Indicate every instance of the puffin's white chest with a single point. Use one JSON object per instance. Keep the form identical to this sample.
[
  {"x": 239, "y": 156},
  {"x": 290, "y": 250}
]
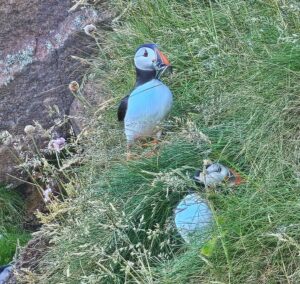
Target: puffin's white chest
[{"x": 147, "y": 106}]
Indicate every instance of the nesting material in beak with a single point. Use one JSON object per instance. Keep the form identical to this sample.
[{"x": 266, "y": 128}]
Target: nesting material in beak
[{"x": 162, "y": 64}]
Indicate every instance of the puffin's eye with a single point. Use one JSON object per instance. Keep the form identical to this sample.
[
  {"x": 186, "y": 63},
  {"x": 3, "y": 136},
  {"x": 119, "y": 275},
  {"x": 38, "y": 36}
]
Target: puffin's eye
[{"x": 146, "y": 53}]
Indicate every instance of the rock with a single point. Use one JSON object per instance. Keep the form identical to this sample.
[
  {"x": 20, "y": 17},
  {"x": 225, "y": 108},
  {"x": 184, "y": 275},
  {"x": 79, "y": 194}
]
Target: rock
[
  {"x": 28, "y": 260},
  {"x": 38, "y": 39},
  {"x": 33, "y": 202},
  {"x": 17, "y": 149},
  {"x": 81, "y": 109},
  {"x": 8, "y": 161}
]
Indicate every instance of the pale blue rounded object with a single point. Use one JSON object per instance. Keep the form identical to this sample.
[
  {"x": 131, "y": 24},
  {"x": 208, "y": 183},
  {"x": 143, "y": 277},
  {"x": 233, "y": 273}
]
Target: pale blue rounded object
[{"x": 193, "y": 219}]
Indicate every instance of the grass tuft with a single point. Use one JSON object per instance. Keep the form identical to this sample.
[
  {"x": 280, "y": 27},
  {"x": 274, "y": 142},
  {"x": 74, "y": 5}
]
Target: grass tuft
[{"x": 11, "y": 218}]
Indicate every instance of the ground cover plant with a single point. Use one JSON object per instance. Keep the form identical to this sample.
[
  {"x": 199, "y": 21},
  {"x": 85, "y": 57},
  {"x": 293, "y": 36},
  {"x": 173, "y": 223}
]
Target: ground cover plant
[
  {"x": 11, "y": 232},
  {"x": 236, "y": 100}
]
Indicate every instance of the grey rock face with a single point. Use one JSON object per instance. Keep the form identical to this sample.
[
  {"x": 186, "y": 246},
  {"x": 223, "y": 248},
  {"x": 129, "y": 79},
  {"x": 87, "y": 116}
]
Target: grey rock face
[
  {"x": 7, "y": 162},
  {"x": 80, "y": 113},
  {"x": 38, "y": 39}
]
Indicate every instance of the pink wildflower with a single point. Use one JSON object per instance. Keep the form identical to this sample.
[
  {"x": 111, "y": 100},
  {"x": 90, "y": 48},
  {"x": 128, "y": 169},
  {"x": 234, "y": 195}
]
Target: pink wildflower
[{"x": 57, "y": 144}]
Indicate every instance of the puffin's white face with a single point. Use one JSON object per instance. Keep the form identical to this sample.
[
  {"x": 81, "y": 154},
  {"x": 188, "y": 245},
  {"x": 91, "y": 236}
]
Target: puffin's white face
[{"x": 144, "y": 58}]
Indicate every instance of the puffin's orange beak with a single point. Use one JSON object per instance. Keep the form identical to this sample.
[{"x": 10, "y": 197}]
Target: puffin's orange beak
[
  {"x": 162, "y": 63},
  {"x": 163, "y": 58}
]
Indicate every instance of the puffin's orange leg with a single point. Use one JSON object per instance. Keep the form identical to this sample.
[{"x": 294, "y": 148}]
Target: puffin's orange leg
[{"x": 154, "y": 142}]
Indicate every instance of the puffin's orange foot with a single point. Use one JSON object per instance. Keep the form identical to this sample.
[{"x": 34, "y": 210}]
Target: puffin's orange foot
[{"x": 153, "y": 142}]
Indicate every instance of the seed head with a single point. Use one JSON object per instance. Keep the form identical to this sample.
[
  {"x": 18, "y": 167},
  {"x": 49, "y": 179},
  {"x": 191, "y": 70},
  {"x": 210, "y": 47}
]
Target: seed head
[
  {"x": 74, "y": 86},
  {"x": 29, "y": 129}
]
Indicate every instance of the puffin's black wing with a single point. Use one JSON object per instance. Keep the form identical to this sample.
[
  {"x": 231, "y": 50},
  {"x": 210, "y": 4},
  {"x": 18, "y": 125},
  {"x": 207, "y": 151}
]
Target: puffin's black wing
[
  {"x": 2, "y": 268},
  {"x": 122, "y": 108}
]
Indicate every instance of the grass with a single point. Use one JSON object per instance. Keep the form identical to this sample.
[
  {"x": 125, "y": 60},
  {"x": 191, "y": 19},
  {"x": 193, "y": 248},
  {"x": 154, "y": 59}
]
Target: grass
[
  {"x": 236, "y": 99},
  {"x": 11, "y": 232}
]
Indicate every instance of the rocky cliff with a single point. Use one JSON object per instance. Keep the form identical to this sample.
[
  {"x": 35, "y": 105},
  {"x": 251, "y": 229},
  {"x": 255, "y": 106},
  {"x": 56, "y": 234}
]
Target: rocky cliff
[{"x": 38, "y": 40}]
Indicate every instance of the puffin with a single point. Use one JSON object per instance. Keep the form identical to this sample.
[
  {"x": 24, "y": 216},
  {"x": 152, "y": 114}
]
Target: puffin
[
  {"x": 5, "y": 272},
  {"x": 215, "y": 174},
  {"x": 150, "y": 101}
]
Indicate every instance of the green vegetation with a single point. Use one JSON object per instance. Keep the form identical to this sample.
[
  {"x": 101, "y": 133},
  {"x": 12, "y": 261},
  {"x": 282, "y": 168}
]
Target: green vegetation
[
  {"x": 236, "y": 99},
  {"x": 11, "y": 217}
]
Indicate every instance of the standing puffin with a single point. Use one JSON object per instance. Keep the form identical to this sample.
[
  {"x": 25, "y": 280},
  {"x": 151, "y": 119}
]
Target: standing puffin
[{"x": 150, "y": 101}]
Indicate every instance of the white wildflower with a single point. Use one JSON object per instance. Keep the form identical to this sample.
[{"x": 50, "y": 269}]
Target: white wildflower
[{"x": 47, "y": 193}]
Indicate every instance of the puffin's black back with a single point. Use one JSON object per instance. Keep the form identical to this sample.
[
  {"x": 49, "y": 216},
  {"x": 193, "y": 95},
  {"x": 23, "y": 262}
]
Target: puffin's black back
[{"x": 122, "y": 108}]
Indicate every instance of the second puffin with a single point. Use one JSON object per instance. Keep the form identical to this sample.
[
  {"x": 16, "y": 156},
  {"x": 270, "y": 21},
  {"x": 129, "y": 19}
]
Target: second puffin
[{"x": 150, "y": 101}]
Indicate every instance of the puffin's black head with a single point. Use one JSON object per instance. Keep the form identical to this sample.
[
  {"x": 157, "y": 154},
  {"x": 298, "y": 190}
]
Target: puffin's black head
[{"x": 149, "y": 58}]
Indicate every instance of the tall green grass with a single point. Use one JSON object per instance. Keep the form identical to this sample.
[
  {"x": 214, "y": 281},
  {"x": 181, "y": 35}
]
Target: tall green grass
[
  {"x": 236, "y": 99},
  {"x": 11, "y": 218}
]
